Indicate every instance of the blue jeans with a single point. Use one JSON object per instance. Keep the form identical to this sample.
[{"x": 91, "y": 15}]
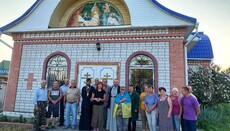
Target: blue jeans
[
  {"x": 152, "y": 122},
  {"x": 189, "y": 125},
  {"x": 122, "y": 123},
  {"x": 73, "y": 108},
  {"x": 176, "y": 122}
]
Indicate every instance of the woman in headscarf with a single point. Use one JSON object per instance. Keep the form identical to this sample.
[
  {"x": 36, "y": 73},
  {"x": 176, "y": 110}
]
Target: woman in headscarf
[{"x": 122, "y": 109}]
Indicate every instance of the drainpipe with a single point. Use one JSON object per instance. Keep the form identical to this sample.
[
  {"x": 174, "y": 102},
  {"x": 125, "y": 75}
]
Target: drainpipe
[
  {"x": 5, "y": 42},
  {"x": 185, "y": 52}
]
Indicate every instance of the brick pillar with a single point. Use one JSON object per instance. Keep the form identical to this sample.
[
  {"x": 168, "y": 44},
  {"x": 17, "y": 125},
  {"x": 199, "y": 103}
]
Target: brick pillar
[
  {"x": 13, "y": 78},
  {"x": 177, "y": 64}
]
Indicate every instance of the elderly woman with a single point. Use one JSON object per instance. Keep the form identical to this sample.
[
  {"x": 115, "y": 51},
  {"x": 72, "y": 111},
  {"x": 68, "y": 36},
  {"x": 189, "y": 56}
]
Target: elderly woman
[
  {"x": 176, "y": 109},
  {"x": 165, "y": 111},
  {"x": 122, "y": 109},
  {"x": 142, "y": 109},
  {"x": 151, "y": 100}
]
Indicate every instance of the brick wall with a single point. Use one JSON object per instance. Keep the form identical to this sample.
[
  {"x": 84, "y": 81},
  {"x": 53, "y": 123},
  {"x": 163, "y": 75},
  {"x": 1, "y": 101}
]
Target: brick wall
[
  {"x": 33, "y": 57},
  {"x": 177, "y": 64}
]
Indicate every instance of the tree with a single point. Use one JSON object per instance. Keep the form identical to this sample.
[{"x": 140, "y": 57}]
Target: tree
[{"x": 210, "y": 85}]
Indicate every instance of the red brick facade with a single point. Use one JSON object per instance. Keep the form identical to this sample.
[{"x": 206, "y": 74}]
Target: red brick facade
[
  {"x": 203, "y": 63},
  {"x": 177, "y": 64},
  {"x": 13, "y": 77}
]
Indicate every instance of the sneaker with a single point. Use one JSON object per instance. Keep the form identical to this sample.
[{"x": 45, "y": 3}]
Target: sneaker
[
  {"x": 60, "y": 125},
  {"x": 45, "y": 129},
  {"x": 73, "y": 127},
  {"x": 65, "y": 127},
  {"x": 53, "y": 127}
]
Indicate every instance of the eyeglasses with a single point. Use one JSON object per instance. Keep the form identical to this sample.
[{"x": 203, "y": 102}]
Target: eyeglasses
[{"x": 122, "y": 89}]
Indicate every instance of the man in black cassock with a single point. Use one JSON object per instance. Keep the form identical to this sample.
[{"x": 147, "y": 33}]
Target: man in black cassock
[{"x": 86, "y": 106}]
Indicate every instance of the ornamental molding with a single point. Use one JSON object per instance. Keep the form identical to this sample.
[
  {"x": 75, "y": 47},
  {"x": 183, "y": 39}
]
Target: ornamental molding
[{"x": 113, "y": 35}]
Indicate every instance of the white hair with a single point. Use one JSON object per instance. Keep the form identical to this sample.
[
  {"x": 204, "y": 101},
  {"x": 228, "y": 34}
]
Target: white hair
[{"x": 174, "y": 89}]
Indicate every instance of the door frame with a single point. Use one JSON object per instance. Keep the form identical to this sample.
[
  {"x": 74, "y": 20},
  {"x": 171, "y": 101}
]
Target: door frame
[{"x": 78, "y": 64}]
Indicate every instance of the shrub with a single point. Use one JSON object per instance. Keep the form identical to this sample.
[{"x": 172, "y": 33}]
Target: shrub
[
  {"x": 3, "y": 118},
  {"x": 214, "y": 118},
  {"x": 210, "y": 85},
  {"x": 209, "y": 118}
]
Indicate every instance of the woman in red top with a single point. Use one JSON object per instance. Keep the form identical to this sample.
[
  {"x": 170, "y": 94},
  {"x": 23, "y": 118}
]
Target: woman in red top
[{"x": 176, "y": 110}]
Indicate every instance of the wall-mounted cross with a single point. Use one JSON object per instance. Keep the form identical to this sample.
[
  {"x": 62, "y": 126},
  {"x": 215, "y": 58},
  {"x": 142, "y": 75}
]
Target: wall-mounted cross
[
  {"x": 87, "y": 75},
  {"x": 30, "y": 80},
  {"x": 107, "y": 76}
]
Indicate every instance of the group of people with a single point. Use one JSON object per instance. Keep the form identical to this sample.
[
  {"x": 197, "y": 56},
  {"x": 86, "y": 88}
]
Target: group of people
[
  {"x": 48, "y": 102},
  {"x": 113, "y": 108}
]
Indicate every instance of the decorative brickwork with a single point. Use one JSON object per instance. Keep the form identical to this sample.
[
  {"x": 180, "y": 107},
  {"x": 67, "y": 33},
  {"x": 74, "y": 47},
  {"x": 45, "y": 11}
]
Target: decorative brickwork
[
  {"x": 12, "y": 84},
  {"x": 30, "y": 80},
  {"x": 177, "y": 64}
]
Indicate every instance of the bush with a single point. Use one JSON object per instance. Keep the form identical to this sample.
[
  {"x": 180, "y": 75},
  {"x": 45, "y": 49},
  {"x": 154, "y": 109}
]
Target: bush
[
  {"x": 3, "y": 118},
  {"x": 214, "y": 119},
  {"x": 210, "y": 85},
  {"x": 208, "y": 118}
]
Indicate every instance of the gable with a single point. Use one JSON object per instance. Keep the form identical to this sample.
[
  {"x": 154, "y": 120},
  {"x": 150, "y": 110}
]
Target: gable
[{"x": 56, "y": 14}]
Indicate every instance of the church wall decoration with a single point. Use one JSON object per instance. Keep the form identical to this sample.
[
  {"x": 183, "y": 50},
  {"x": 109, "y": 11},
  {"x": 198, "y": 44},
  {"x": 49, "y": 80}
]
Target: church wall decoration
[{"x": 99, "y": 13}]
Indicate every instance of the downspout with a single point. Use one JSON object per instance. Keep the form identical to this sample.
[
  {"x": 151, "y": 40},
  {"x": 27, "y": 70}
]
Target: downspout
[
  {"x": 185, "y": 52},
  {"x": 4, "y": 41}
]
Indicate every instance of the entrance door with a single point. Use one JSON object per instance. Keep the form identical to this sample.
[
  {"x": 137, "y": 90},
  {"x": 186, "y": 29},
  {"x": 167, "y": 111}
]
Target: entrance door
[
  {"x": 110, "y": 72},
  {"x": 141, "y": 72}
]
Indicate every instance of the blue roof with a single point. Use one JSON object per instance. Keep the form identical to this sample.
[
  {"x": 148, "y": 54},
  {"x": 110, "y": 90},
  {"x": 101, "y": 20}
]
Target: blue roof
[
  {"x": 184, "y": 17},
  {"x": 203, "y": 48},
  {"x": 21, "y": 17}
]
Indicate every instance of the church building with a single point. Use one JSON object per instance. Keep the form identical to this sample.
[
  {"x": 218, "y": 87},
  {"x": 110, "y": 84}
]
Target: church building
[{"x": 140, "y": 42}]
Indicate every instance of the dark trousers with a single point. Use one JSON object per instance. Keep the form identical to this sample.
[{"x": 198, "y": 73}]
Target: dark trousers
[
  {"x": 105, "y": 116},
  {"x": 131, "y": 125},
  {"x": 40, "y": 115},
  {"x": 189, "y": 125},
  {"x": 182, "y": 122},
  {"x": 62, "y": 110}
]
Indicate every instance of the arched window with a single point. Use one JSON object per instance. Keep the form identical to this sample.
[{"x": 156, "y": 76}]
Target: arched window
[
  {"x": 142, "y": 70},
  {"x": 57, "y": 68}
]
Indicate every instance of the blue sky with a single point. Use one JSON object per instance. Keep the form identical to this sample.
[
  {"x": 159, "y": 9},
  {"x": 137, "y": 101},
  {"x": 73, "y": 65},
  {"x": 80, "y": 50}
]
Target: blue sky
[{"x": 213, "y": 17}]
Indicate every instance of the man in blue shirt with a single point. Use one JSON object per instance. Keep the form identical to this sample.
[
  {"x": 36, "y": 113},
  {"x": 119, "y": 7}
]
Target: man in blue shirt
[
  {"x": 62, "y": 102},
  {"x": 40, "y": 103}
]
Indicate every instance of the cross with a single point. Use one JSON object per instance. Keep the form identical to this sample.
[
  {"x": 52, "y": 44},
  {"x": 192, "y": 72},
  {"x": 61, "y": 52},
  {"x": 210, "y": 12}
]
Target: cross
[
  {"x": 107, "y": 76},
  {"x": 87, "y": 75},
  {"x": 30, "y": 80}
]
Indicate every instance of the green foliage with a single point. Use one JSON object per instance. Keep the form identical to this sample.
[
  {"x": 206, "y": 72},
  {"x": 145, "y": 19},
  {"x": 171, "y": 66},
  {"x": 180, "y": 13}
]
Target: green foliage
[
  {"x": 210, "y": 85},
  {"x": 3, "y": 118},
  {"x": 209, "y": 118},
  {"x": 214, "y": 119}
]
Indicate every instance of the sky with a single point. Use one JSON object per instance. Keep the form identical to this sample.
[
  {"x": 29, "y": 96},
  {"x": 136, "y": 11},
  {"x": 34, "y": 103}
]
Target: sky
[{"x": 213, "y": 17}]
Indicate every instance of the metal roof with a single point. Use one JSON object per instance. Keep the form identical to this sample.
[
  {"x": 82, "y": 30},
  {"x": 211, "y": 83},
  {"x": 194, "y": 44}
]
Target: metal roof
[
  {"x": 21, "y": 17},
  {"x": 176, "y": 14},
  {"x": 203, "y": 49}
]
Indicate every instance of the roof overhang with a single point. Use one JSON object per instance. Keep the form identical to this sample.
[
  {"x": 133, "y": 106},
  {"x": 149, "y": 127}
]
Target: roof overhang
[{"x": 192, "y": 43}]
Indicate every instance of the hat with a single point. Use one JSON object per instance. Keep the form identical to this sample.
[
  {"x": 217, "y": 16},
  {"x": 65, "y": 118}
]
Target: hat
[{"x": 122, "y": 87}]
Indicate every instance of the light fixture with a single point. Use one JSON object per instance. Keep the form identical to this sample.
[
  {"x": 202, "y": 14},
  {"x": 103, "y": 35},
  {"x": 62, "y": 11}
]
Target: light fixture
[{"x": 98, "y": 46}]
